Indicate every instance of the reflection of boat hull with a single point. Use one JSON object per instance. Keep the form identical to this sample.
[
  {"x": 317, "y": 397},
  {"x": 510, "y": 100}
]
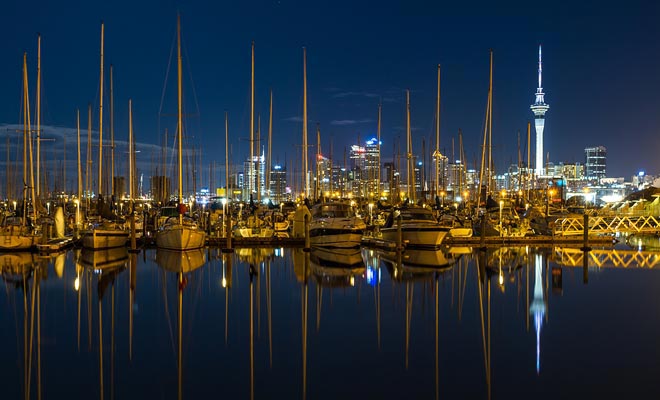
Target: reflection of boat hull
[
  {"x": 180, "y": 237},
  {"x": 335, "y": 238},
  {"x": 180, "y": 261},
  {"x": 16, "y": 263},
  {"x": 336, "y": 267},
  {"x": 254, "y": 255},
  {"x": 105, "y": 259},
  {"x": 105, "y": 238},
  {"x": 644, "y": 241},
  {"x": 343, "y": 258},
  {"x": 422, "y": 259},
  {"x": 417, "y": 236}
]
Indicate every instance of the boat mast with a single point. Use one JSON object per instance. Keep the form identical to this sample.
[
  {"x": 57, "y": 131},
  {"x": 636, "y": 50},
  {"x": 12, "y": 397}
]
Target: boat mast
[
  {"x": 437, "y": 138},
  {"x": 39, "y": 115},
  {"x": 490, "y": 124},
  {"x": 411, "y": 162},
  {"x": 79, "y": 165},
  {"x": 112, "y": 137},
  {"x": 253, "y": 182},
  {"x": 226, "y": 157},
  {"x": 100, "y": 183},
  {"x": 26, "y": 132},
  {"x": 304, "y": 132},
  {"x": 180, "y": 109},
  {"x": 379, "y": 161},
  {"x": 28, "y": 135},
  {"x": 462, "y": 167},
  {"x": 88, "y": 172},
  {"x": 528, "y": 183},
  {"x": 269, "y": 163},
  {"x": 317, "y": 190},
  {"x": 258, "y": 164},
  {"x": 130, "y": 151}
]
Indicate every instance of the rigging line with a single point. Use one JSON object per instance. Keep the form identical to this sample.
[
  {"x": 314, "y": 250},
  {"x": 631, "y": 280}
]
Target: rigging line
[{"x": 167, "y": 74}]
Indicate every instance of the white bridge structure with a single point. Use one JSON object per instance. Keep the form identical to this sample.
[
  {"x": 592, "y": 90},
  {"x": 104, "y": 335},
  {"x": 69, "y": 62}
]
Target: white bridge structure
[
  {"x": 611, "y": 258},
  {"x": 606, "y": 225}
]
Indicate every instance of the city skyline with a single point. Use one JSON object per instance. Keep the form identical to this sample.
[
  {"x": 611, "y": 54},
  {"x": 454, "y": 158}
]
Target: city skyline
[{"x": 348, "y": 78}]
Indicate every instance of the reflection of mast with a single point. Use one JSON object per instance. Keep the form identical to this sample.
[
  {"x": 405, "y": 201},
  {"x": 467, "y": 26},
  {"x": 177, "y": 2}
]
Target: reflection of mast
[
  {"x": 180, "y": 348},
  {"x": 437, "y": 366},
  {"x": 485, "y": 330},
  {"x": 101, "y": 346},
  {"x": 270, "y": 321},
  {"x": 538, "y": 306},
  {"x": 252, "y": 274},
  {"x": 304, "y": 326},
  {"x": 409, "y": 301},
  {"x": 226, "y": 283},
  {"x": 131, "y": 300}
]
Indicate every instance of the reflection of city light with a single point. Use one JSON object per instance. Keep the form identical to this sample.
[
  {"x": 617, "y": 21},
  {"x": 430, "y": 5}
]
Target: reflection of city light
[
  {"x": 371, "y": 277},
  {"x": 537, "y": 308},
  {"x": 224, "y": 282},
  {"x": 352, "y": 281},
  {"x": 76, "y": 284}
]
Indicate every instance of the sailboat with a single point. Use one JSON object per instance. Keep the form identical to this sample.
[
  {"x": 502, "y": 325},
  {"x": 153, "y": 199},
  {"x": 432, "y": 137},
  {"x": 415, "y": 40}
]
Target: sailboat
[
  {"x": 179, "y": 233},
  {"x": 15, "y": 233},
  {"x": 107, "y": 234}
]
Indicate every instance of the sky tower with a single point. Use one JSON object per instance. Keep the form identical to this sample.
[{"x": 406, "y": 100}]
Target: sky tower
[{"x": 539, "y": 108}]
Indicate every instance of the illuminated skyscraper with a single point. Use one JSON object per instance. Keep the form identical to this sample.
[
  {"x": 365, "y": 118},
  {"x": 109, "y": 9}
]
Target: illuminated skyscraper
[{"x": 539, "y": 109}]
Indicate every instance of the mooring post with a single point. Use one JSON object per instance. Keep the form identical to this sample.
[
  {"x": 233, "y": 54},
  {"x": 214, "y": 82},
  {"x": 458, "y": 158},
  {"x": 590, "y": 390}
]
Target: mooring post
[
  {"x": 483, "y": 232},
  {"x": 585, "y": 231},
  {"x": 307, "y": 240},
  {"x": 399, "y": 235},
  {"x": 228, "y": 248},
  {"x": 133, "y": 241}
]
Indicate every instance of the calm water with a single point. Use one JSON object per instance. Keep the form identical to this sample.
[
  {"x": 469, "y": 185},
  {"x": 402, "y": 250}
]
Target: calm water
[{"x": 277, "y": 323}]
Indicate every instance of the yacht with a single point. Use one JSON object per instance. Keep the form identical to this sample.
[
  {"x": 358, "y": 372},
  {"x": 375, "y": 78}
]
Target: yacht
[
  {"x": 335, "y": 225},
  {"x": 419, "y": 228}
]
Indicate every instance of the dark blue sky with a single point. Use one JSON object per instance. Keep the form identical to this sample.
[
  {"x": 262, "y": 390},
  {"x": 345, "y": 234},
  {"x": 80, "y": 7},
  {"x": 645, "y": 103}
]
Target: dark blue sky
[{"x": 601, "y": 64}]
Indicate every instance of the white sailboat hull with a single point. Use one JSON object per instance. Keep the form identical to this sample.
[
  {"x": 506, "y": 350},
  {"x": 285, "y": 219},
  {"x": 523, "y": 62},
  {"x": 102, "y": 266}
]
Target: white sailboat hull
[
  {"x": 417, "y": 236},
  {"x": 15, "y": 240},
  {"x": 105, "y": 239},
  {"x": 180, "y": 237},
  {"x": 340, "y": 240}
]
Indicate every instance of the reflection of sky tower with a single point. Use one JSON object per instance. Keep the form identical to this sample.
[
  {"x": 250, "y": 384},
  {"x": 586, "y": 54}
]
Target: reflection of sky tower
[
  {"x": 537, "y": 308},
  {"x": 539, "y": 108}
]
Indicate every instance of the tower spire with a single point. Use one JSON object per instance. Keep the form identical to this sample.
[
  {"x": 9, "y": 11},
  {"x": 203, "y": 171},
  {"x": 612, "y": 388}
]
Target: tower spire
[
  {"x": 539, "y": 108},
  {"x": 540, "y": 71}
]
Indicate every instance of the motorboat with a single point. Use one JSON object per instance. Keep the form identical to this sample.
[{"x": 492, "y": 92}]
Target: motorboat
[
  {"x": 335, "y": 225},
  {"x": 419, "y": 228}
]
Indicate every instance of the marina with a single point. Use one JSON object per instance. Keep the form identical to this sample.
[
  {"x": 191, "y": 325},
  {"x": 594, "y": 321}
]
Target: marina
[
  {"x": 320, "y": 201},
  {"x": 264, "y": 322}
]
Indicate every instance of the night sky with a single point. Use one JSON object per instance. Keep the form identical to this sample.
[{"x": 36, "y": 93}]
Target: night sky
[{"x": 601, "y": 74}]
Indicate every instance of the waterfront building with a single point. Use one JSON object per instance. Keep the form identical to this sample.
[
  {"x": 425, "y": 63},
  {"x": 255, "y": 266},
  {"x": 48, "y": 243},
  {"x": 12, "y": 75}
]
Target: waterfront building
[
  {"x": 595, "y": 163},
  {"x": 254, "y": 171},
  {"x": 371, "y": 165},
  {"x": 539, "y": 108},
  {"x": 278, "y": 184},
  {"x": 357, "y": 179}
]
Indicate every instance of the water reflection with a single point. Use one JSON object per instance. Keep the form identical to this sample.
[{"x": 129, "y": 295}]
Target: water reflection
[{"x": 454, "y": 323}]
